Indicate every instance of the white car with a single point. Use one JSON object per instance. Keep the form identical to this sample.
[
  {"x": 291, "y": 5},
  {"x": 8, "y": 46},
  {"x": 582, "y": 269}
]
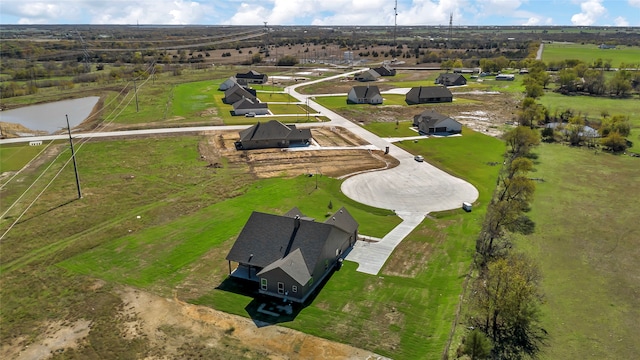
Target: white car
[{"x": 418, "y": 158}]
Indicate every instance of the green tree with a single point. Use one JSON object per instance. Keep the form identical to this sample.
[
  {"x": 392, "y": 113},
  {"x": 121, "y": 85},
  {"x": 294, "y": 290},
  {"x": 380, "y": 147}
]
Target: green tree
[
  {"x": 287, "y": 60},
  {"x": 506, "y": 303},
  {"x": 615, "y": 123},
  {"x": 614, "y": 142},
  {"x": 620, "y": 83},
  {"x": 567, "y": 79},
  {"x": 531, "y": 113},
  {"x": 477, "y": 345},
  {"x": 521, "y": 139}
]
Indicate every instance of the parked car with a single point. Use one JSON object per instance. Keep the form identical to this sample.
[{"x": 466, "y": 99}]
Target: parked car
[
  {"x": 418, "y": 158},
  {"x": 251, "y": 114}
]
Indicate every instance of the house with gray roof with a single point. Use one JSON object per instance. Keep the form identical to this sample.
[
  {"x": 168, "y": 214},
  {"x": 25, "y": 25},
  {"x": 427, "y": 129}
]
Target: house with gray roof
[
  {"x": 450, "y": 79},
  {"x": 237, "y": 93},
  {"x": 245, "y": 106},
  {"x": 368, "y": 75},
  {"x": 227, "y": 84},
  {"x": 385, "y": 70},
  {"x": 364, "y": 95},
  {"x": 251, "y": 77},
  {"x": 288, "y": 256},
  {"x": 431, "y": 122},
  {"x": 428, "y": 94},
  {"x": 272, "y": 134}
]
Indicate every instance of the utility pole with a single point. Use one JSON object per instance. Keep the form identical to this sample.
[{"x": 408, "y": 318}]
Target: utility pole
[
  {"x": 395, "y": 22},
  {"x": 135, "y": 90},
  {"x": 73, "y": 156}
]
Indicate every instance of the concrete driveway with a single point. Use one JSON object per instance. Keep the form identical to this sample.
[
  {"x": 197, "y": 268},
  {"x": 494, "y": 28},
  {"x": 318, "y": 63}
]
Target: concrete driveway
[{"x": 412, "y": 189}]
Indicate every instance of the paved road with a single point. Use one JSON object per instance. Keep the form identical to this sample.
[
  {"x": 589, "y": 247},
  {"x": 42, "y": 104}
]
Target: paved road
[{"x": 412, "y": 189}]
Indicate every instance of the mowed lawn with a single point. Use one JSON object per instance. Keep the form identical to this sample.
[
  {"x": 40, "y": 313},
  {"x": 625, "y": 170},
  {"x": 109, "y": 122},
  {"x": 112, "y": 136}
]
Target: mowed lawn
[
  {"x": 587, "y": 244},
  {"x": 590, "y": 53},
  {"x": 14, "y": 156},
  {"x": 406, "y": 312}
]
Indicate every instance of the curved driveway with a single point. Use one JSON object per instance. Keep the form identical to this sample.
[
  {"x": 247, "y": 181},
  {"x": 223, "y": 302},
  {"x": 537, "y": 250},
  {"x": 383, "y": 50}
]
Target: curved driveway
[{"x": 412, "y": 189}]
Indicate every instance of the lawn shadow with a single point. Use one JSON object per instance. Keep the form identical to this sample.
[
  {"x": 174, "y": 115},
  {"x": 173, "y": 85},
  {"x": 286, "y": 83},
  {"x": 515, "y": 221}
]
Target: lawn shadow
[
  {"x": 266, "y": 310},
  {"x": 63, "y": 204}
]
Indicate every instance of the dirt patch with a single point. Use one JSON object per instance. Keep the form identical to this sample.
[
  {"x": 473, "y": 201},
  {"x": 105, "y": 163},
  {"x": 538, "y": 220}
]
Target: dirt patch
[
  {"x": 58, "y": 337},
  {"x": 266, "y": 163},
  {"x": 411, "y": 257},
  {"x": 170, "y": 323}
]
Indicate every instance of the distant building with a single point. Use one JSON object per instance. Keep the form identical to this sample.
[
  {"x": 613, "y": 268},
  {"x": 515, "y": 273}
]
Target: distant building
[
  {"x": 605, "y": 46},
  {"x": 505, "y": 77},
  {"x": 428, "y": 94},
  {"x": 431, "y": 122},
  {"x": 368, "y": 75},
  {"x": 385, "y": 70},
  {"x": 449, "y": 79},
  {"x": 272, "y": 134},
  {"x": 364, "y": 95},
  {"x": 251, "y": 77}
]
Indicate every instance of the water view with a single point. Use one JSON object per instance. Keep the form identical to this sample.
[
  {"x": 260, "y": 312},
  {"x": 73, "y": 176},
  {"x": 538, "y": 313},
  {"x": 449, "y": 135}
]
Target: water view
[{"x": 51, "y": 117}]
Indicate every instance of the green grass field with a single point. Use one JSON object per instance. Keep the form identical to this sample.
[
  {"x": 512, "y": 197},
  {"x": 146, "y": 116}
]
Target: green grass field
[
  {"x": 592, "y": 108},
  {"x": 590, "y": 53},
  {"x": 189, "y": 216},
  {"x": 586, "y": 243},
  {"x": 15, "y": 156}
]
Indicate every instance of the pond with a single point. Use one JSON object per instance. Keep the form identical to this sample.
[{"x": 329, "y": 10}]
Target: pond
[{"x": 50, "y": 117}]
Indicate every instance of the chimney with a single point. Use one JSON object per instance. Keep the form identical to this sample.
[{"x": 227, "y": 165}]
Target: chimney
[{"x": 297, "y": 222}]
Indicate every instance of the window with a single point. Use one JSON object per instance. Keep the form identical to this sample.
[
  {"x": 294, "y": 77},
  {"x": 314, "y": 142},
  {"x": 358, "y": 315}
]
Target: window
[
  {"x": 263, "y": 283},
  {"x": 294, "y": 288},
  {"x": 280, "y": 288}
]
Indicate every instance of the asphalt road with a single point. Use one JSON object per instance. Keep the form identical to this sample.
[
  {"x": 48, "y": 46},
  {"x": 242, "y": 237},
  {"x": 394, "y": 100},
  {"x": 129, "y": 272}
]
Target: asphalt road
[{"x": 412, "y": 189}]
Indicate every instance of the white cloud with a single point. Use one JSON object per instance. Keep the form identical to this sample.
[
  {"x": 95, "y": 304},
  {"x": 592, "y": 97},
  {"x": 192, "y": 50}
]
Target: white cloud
[
  {"x": 635, "y": 3},
  {"x": 620, "y": 21},
  {"x": 590, "y": 12}
]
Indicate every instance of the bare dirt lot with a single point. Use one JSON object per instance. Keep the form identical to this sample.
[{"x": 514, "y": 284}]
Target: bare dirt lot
[
  {"x": 175, "y": 329},
  {"x": 265, "y": 163}
]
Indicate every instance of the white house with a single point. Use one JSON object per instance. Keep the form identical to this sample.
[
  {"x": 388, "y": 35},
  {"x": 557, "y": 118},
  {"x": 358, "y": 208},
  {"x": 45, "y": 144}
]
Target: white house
[{"x": 364, "y": 95}]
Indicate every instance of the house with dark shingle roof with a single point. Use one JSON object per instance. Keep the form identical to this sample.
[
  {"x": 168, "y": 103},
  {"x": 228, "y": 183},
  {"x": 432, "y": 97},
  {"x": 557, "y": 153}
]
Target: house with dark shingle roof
[
  {"x": 245, "y": 106},
  {"x": 450, "y": 79},
  {"x": 237, "y": 93},
  {"x": 251, "y": 77},
  {"x": 364, "y": 95},
  {"x": 368, "y": 75},
  {"x": 385, "y": 70},
  {"x": 272, "y": 134},
  {"x": 428, "y": 94},
  {"x": 288, "y": 256},
  {"x": 431, "y": 122}
]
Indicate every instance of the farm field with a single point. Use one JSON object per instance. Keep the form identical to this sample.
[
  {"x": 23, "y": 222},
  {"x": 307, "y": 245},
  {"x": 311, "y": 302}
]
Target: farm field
[
  {"x": 590, "y": 53},
  {"x": 586, "y": 243}
]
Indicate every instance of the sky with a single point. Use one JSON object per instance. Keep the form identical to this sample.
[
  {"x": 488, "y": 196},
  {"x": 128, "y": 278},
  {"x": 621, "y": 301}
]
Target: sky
[{"x": 323, "y": 12}]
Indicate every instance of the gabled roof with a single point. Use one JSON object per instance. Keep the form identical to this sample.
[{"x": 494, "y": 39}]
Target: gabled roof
[
  {"x": 450, "y": 78},
  {"x": 366, "y": 92},
  {"x": 246, "y": 103},
  {"x": 292, "y": 265},
  {"x": 431, "y": 118},
  {"x": 424, "y": 92},
  {"x": 385, "y": 70},
  {"x": 237, "y": 89},
  {"x": 269, "y": 241},
  {"x": 343, "y": 220},
  {"x": 227, "y": 84},
  {"x": 274, "y": 129},
  {"x": 368, "y": 74},
  {"x": 251, "y": 74}
]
